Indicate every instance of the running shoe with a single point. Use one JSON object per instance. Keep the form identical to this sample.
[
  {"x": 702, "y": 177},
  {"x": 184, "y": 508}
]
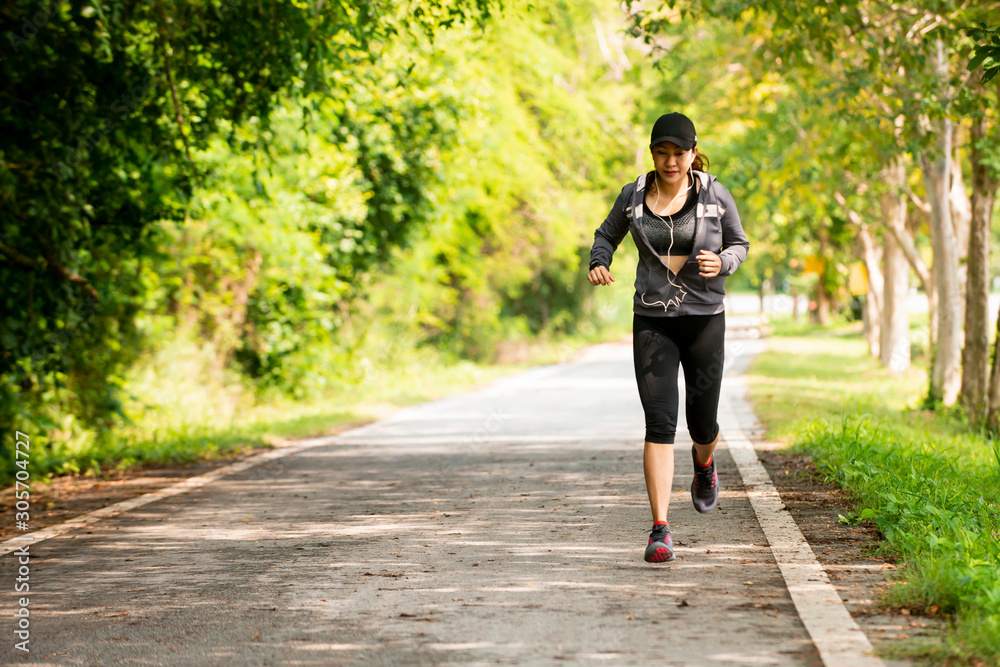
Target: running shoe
[
  {"x": 705, "y": 485},
  {"x": 661, "y": 546}
]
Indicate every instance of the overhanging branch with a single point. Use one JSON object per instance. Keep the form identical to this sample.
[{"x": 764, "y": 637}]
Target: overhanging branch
[
  {"x": 16, "y": 257},
  {"x": 50, "y": 264}
]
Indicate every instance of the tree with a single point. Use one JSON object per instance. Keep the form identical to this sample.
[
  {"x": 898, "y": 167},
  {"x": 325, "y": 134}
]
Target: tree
[
  {"x": 908, "y": 54},
  {"x": 103, "y": 105}
]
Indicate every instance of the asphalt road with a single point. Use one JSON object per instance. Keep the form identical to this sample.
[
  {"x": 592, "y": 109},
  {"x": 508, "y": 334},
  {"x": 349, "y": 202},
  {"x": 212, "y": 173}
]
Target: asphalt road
[{"x": 504, "y": 526}]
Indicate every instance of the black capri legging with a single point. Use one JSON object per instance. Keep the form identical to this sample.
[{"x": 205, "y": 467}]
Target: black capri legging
[{"x": 697, "y": 342}]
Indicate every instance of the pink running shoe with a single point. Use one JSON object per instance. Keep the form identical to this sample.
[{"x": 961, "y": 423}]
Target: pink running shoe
[{"x": 661, "y": 546}]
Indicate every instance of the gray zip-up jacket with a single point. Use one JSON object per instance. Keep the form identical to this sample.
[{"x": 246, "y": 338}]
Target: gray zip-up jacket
[{"x": 658, "y": 292}]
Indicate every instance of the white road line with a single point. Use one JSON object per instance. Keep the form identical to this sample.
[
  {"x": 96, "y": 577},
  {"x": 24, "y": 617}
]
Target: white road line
[
  {"x": 840, "y": 641},
  {"x": 21, "y": 541}
]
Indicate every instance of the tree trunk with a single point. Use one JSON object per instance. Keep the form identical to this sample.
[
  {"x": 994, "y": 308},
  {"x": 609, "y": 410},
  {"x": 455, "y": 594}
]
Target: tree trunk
[
  {"x": 822, "y": 296},
  {"x": 822, "y": 303},
  {"x": 901, "y": 234},
  {"x": 229, "y": 322},
  {"x": 913, "y": 223},
  {"x": 993, "y": 416},
  {"x": 872, "y": 256},
  {"x": 895, "y": 344},
  {"x": 904, "y": 235},
  {"x": 961, "y": 219},
  {"x": 873, "y": 300},
  {"x": 976, "y": 381},
  {"x": 961, "y": 207},
  {"x": 945, "y": 372},
  {"x": 945, "y": 380},
  {"x": 993, "y": 412}
]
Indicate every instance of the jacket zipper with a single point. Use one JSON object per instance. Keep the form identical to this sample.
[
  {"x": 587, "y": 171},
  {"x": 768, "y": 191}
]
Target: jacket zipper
[{"x": 642, "y": 232}]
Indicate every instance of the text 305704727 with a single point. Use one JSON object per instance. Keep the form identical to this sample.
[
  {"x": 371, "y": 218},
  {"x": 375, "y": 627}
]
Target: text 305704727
[{"x": 22, "y": 505}]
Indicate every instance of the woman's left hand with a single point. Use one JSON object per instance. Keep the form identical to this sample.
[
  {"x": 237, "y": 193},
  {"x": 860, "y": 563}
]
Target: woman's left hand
[{"x": 709, "y": 264}]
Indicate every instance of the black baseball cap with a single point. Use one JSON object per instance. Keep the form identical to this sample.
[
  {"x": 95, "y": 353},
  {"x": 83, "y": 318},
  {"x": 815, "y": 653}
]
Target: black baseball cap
[{"x": 675, "y": 128}]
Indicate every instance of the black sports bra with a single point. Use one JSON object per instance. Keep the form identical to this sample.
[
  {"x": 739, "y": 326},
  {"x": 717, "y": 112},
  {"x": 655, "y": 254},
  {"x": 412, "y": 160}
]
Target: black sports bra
[{"x": 676, "y": 241}]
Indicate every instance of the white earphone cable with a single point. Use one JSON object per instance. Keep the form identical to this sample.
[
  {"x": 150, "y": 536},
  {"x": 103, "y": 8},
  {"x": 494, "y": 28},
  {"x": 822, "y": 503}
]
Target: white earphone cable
[
  {"x": 683, "y": 292},
  {"x": 670, "y": 225}
]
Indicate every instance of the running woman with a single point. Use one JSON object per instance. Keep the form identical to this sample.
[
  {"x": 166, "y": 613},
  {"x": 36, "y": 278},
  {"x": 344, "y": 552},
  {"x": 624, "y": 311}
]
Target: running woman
[{"x": 689, "y": 236}]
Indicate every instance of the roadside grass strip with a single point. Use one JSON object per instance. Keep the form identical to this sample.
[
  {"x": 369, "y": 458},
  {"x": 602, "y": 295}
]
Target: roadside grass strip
[
  {"x": 922, "y": 478},
  {"x": 936, "y": 501},
  {"x": 839, "y": 640}
]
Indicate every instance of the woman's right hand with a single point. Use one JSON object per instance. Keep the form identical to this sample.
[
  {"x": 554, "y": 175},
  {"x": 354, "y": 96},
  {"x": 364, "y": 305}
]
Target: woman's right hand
[{"x": 600, "y": 275}]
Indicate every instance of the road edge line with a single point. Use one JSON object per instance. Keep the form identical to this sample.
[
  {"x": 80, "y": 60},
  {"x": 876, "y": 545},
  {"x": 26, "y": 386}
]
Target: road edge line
[
  {"x": 19, "y": 542},
  {"x": 840, "y": 640}
]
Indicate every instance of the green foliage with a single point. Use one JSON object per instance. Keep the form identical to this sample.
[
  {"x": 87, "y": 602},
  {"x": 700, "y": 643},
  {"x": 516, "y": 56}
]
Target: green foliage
[
  {"x": 778, "y": 138},
  {"x": 927, "y": 483},
  {"x": 105, "y": 107},
  {"x": 267, "y": 227},
  {"x": 537, "y": 162},
  {"x": 272, "y": 259},
  {"x": 986, "y": 52},
  {"x": 839, "y": 90},
  {"x": 938, "y": 508}
]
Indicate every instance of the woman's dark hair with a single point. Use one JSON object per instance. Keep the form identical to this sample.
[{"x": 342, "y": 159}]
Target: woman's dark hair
[{"x": 700, "y": 162}]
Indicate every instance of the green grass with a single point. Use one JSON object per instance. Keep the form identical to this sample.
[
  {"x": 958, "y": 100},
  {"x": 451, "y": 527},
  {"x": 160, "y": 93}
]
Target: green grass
[{"x": 930, "y": 486}]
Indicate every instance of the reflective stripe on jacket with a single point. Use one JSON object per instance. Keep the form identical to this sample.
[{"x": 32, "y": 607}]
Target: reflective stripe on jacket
[{"x": 658, "y": 292}]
